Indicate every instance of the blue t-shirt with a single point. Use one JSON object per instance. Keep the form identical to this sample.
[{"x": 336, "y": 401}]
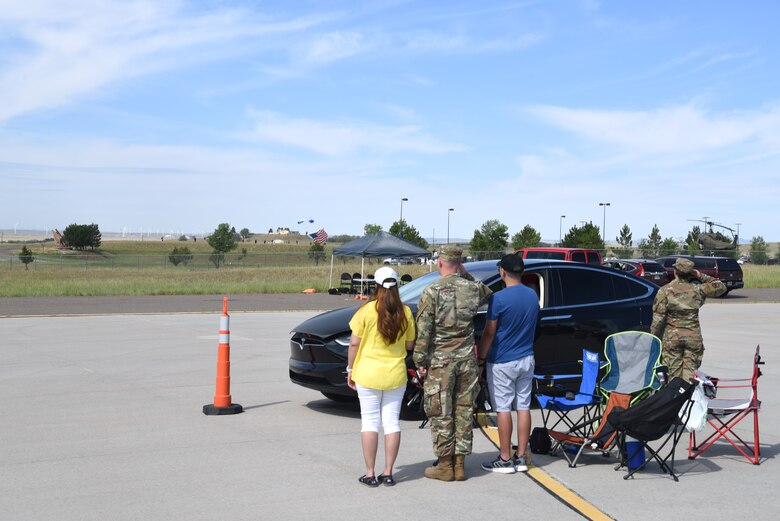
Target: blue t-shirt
[{"x": 516, "y": 308}]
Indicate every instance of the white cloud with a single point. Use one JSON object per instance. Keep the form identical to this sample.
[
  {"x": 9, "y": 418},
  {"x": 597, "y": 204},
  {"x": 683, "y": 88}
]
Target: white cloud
[
  {"x": 665, "y": 165},
  {"x": 676, "y": 130},
  {"x": 74, "y": 50},
  {"x": 340, "y": 139},
  {"x": 334, "y": 46}
]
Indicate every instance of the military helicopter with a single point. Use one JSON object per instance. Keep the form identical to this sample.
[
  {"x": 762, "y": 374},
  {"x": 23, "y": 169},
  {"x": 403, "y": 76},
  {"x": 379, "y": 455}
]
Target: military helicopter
[{"x": 715, "y": 240}]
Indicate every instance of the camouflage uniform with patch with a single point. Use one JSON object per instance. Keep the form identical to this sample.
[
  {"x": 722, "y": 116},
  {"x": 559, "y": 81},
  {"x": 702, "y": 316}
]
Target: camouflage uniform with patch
[
  {"x": 445, "y": 345},
  {"x": 676, "y": 317}
]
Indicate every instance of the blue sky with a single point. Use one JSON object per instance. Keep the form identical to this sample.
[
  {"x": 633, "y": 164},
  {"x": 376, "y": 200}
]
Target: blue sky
[{"x": 177, "y": 116}]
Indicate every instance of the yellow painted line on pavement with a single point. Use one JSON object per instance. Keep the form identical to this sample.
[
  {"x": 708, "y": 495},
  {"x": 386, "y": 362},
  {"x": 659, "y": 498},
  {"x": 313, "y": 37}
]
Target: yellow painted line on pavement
[{"x": 542, "y": 478}]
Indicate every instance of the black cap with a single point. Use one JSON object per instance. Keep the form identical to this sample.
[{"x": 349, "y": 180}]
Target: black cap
[{"x": 512, "y": 263}]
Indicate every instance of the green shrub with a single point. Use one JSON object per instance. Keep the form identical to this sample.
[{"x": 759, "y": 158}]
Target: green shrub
[
  {"x": 26, "y": 256},
  {"x": 180, "y": 256}
]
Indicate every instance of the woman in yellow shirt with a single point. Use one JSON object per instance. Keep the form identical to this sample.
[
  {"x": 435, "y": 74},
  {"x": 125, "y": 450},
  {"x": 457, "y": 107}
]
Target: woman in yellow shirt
[{"x": 383, "y": 331}]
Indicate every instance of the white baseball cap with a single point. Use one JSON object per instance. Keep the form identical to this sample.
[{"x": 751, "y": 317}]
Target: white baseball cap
[{"x": 386, "y": 277}]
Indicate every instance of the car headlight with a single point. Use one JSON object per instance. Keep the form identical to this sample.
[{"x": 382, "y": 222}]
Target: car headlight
[{"x": 343, "y": 340}]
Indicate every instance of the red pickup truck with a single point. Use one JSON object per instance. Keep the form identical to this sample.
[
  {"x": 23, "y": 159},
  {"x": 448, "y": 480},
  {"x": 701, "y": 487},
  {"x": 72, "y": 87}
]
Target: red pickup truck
[{"x": 583, "y": 255}]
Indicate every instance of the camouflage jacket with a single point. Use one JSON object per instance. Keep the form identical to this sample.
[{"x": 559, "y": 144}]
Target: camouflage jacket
[
  {"x": 677, "y": 303},
  {"x": 445, "y": 319}
]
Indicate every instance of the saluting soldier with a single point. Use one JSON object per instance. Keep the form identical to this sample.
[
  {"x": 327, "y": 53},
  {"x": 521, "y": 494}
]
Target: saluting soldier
[
  {"x": 444, "y": 351},
  {"x": 676, "y": 317}
]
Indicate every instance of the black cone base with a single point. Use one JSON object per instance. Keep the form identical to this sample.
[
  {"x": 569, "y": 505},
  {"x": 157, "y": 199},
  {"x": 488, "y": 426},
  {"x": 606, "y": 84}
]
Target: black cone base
[{"x": 211, "y": 410}]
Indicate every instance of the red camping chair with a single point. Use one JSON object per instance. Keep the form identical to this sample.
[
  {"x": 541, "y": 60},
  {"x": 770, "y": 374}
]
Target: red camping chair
[{"x": 725, "y": 412}]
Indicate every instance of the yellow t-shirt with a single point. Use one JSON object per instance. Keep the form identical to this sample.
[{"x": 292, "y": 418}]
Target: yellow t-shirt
[{"x": 377, "y": 364}]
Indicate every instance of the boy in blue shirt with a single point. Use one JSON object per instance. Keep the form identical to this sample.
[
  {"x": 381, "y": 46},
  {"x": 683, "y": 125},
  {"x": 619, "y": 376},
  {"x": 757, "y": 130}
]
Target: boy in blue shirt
[{"x": 507, "y": 345}]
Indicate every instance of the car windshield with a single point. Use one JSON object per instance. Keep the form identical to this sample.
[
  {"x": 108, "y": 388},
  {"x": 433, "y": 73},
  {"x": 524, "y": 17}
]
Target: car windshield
[
  {"x": 728, "y": 264},
  {"x": 653, "y": 267},
  {"x": 411, "y": 291},
  {"x": 557, "y": 255}
]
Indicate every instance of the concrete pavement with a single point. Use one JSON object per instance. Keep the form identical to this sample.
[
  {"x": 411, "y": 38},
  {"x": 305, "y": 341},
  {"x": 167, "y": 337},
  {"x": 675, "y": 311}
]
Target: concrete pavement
[
  {"x": 102, "y": 420},
  {"x": 67, "y": 306}
]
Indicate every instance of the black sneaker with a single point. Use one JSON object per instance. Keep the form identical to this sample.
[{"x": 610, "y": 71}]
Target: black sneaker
[{"x": 499, "y": 465}]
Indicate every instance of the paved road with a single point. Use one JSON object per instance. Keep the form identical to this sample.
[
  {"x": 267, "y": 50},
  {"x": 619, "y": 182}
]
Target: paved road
[
  {"x": 68, "y": 306},
  {"x": 102, "y": 420}
]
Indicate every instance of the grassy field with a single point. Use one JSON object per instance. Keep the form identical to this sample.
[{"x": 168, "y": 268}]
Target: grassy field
[
  {"x": 235, "y": 280},
  {"x": 142, "y": 268}
]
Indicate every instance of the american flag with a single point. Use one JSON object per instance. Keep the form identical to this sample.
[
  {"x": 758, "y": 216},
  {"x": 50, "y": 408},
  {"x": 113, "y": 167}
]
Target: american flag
[{"x": 320, "y": 236}]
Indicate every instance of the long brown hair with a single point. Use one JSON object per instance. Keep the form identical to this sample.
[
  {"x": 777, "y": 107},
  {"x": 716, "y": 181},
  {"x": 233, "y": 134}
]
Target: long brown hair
[{"x": 391, "y": 319}]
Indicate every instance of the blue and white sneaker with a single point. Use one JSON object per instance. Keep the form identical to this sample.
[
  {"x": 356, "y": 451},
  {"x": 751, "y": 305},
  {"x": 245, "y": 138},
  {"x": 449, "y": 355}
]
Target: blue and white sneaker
[
  {"x": 499, "y": 465},
  {"x": 521, "y": 465}
]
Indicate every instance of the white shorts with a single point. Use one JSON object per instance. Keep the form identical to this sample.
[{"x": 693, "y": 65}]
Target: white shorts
[
  {"x": 510, "y": 384},
  {"x": 379, "y": 407}
]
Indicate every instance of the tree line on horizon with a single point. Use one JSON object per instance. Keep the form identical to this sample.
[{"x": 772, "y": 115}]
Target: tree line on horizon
[{"x": 491, "y": 240}]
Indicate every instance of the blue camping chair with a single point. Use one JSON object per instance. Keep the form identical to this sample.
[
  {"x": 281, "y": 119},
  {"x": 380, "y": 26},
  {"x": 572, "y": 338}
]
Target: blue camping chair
[
  {"x": 556, "y": 399},
  {"x": 633, "y": 365}
]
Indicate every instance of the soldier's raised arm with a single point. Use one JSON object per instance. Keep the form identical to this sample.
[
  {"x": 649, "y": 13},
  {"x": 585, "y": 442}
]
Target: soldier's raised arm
[{"x": 711, "y": 286}]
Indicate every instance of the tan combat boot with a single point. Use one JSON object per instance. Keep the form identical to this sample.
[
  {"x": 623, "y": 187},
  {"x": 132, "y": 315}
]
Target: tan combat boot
[
  {"x": 442, "y": 471},
  {"x": 459, "y": 469}
]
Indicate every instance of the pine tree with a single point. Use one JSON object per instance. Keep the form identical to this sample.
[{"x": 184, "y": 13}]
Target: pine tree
[
  {"x": 526, "y": 238},
  {"x": 625, "y": 242},
  {"x": 26, "y": 256}
]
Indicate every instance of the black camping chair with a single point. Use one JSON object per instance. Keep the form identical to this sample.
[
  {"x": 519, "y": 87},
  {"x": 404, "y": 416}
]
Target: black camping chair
[{"x": 660, "y": 416}]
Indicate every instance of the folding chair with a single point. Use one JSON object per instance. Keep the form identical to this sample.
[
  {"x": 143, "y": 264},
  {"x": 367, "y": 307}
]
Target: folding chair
[
  {"x": 557, "y": 399},
  {"x": 724, "y": 413},
  {"x": 345, "y": 284},
  {"x": 603, "y": 438},
  {"x": 633, "y": 364},
  {"x": 660, "y": 416}
]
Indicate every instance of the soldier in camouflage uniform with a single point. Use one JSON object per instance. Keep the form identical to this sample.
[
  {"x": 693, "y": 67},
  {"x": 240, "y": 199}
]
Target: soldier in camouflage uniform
[
  {"x": 444, "y": 350},
  {"x": 676, "y": 317}
]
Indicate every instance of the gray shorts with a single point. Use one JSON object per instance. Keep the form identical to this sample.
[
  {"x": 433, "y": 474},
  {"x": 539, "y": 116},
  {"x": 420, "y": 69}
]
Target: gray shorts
[{"x": 510, "y": 384}]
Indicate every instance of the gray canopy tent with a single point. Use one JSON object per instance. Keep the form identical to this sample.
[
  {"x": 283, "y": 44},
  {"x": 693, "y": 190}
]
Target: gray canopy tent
[{"x": 380, "y": 244}]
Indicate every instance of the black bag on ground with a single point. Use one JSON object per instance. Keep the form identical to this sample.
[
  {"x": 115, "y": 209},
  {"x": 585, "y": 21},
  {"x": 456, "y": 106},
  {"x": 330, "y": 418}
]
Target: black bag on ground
[{"x": 540, "y": 441}]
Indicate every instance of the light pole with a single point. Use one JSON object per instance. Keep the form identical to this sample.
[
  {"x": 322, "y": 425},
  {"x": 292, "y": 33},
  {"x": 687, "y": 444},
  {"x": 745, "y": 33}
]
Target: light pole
[
  {"x": 738, "y": 229},
  {"x": 604, "y": 225},
  {"x": 448, "y": 223},
  {"x": 401, "y": 220},
  {"x": 560, "y": 228}
]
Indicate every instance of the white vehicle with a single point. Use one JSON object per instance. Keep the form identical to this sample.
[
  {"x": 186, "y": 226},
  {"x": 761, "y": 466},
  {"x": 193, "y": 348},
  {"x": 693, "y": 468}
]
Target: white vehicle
[{"x": 395, "y": 261}]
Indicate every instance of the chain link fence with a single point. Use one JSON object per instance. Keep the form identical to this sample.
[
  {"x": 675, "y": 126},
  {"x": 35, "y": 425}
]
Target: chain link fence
[
  {"x": 195, "y": 261},
  {"x": 210, "y": 261}
]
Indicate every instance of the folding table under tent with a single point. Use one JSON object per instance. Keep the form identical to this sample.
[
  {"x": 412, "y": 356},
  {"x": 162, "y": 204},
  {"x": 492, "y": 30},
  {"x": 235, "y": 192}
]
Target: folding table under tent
[{"x": 376, "y": 245}]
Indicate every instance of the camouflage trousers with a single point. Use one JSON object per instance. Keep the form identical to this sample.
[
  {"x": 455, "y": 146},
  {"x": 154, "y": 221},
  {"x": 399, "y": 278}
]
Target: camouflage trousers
[
  {"x": 683, "y": 351},
  {"x": 450, "y": 389}
]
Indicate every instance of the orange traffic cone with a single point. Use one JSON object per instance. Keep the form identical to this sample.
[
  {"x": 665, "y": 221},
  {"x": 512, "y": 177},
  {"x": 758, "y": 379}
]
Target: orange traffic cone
[{"x": 222, "y": 399}]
